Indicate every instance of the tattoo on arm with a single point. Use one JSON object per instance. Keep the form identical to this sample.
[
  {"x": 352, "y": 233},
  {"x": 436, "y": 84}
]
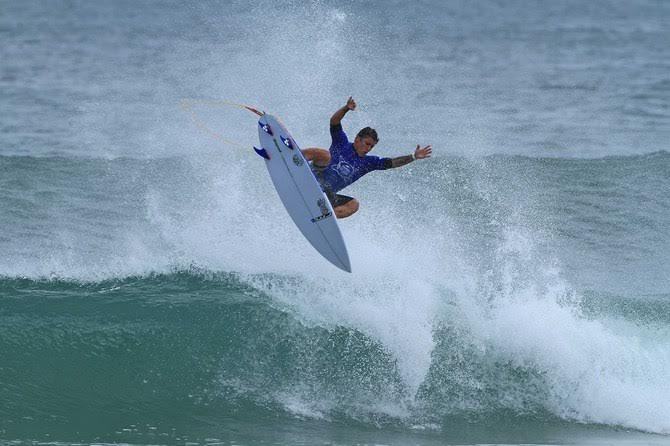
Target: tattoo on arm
[{"x": 401, "y": 160}]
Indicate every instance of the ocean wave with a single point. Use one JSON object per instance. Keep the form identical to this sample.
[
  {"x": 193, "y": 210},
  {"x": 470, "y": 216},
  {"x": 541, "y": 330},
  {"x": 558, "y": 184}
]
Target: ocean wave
[
  {"x": 480, "y": 291},
  {"x": 192, "y": 341}
]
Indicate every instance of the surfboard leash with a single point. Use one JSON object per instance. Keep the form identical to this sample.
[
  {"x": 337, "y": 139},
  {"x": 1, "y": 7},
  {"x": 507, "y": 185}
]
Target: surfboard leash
[{"x": 187, "y": 105}]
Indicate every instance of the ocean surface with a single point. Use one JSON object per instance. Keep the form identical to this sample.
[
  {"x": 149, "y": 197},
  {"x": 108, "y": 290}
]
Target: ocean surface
[{"x": 513, "y": 289}]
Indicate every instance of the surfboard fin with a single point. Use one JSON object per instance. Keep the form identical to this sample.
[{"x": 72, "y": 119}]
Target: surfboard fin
[{"x": 262, "y": 152}]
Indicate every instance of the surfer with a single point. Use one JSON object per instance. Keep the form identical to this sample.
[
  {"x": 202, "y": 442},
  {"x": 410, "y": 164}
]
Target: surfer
[{"x": 346, "y": 162}]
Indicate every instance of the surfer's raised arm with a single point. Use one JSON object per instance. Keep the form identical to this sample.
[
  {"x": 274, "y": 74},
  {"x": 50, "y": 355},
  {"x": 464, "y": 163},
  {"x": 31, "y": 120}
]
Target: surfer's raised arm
[
  {"x": 339, "y": 114},
  {"x": 345, "y": 161},
  {"x": 419, "y": 153}
]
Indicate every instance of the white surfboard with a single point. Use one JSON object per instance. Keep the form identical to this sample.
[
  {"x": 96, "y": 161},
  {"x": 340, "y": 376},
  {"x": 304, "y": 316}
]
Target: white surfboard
[{"x": 300, "y": 192}]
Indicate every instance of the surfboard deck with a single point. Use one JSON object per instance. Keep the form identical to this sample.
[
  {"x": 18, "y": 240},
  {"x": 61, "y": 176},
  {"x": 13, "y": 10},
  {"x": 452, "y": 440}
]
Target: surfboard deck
[{"x": 300, "y": 192}]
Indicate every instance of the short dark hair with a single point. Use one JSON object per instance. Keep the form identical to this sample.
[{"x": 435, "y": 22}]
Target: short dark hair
[{"x": 368, "y": 132}]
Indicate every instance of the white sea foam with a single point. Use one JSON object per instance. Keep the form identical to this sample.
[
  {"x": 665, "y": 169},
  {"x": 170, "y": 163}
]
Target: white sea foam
[{"x": 595, "y": 370}]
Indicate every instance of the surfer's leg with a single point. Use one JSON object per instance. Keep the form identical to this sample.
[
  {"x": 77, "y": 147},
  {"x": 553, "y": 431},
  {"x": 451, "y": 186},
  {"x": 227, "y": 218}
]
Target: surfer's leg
[
  {"x": 318, "y": 157},
  {"x": 346, "y": 210},
  {"x": 344, "y": 206}
]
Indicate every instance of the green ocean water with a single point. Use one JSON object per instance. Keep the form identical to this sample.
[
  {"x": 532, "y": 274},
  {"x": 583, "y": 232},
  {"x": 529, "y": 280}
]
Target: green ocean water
[
  {"x": 198, "y": 357},
  {"x": 520, "y": 341}
]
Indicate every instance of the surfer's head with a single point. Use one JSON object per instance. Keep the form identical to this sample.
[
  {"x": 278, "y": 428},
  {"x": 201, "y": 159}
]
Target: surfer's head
[{"x": 365, "y": 141}]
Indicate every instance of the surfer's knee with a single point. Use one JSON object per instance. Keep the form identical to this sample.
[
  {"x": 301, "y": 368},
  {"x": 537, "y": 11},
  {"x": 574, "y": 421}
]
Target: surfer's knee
[
  {"x": 347, "y": 209},
  {"x": 319, "y": 157}
]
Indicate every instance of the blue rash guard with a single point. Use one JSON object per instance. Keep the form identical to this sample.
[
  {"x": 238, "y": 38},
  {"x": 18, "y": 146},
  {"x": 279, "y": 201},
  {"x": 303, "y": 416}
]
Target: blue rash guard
[{"x": 345, "y": 165}]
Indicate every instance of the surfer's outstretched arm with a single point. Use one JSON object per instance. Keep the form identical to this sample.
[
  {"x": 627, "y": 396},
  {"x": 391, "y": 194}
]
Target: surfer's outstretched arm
[
  {"x": 419, "y": 153},
  {"x": 339, "y": 114}
]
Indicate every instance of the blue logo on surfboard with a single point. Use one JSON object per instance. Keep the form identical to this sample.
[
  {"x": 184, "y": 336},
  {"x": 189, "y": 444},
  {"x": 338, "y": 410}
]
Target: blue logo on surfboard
[
  {"x": 266, "y": 128},
  {"x": 287, "y": 142}
]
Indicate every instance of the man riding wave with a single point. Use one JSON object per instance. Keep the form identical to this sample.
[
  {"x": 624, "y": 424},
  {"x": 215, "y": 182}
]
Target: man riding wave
[{"x": 346, "y": 162}]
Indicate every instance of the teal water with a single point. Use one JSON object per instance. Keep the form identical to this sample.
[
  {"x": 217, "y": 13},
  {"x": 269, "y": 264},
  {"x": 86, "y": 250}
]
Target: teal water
[
  {"x": 192, "y": 356},
  {"x": 521, "y": 311}
]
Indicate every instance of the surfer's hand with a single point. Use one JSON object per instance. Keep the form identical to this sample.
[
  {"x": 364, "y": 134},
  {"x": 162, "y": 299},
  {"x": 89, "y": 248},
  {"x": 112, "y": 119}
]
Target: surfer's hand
[
  {"x": 421, "y": 153},
  {"x": 351, "y": 104}
]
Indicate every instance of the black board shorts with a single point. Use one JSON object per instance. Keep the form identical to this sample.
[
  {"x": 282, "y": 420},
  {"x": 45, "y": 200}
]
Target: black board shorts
[{"x": 337, "y": 199}]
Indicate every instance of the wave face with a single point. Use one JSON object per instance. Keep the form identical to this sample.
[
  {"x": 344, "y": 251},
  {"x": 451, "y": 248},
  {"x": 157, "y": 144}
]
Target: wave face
[
  {"x": 194, "y": 355},
  {"x": 151, "y": 300}
]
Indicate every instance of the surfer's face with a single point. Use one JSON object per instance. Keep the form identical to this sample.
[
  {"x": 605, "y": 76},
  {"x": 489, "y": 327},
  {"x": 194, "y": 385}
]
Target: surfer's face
[{"x": 363, "y": 145}]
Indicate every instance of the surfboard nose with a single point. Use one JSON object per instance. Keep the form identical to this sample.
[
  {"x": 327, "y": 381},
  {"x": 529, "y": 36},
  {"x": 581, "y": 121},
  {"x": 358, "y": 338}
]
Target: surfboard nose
[{"x": 346, "y": 266}]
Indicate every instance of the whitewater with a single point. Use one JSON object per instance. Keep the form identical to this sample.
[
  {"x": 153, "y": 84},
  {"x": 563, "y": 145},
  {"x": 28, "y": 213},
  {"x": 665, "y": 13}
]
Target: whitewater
[{"x": 515, "y": 288}]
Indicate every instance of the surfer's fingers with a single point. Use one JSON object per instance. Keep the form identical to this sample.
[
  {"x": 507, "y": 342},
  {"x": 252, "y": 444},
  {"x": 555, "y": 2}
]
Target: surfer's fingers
[{"x": 424, "y": 152}]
